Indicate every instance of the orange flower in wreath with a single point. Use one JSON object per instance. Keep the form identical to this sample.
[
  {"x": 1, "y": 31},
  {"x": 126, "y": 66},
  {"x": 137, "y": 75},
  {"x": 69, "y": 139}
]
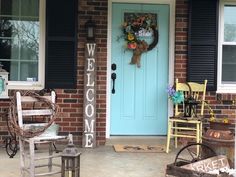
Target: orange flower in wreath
[{"x": 132, "y": 45}]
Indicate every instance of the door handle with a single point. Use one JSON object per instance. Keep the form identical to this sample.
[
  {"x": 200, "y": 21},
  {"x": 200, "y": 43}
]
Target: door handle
[{"x": 113, "y": 77}]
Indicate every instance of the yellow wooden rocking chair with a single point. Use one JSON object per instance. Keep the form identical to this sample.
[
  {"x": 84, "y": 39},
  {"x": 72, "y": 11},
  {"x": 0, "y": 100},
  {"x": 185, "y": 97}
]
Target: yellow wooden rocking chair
[{"x": 187, "y": 127}]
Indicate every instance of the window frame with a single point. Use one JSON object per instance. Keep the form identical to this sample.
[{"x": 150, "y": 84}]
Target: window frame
[
  {"x": 36, "y": 85},
  {"x": 223, "y": 87}
]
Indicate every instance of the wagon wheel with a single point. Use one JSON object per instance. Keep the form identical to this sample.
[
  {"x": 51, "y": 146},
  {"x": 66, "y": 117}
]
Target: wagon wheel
[{"x": 188, "y": 154}]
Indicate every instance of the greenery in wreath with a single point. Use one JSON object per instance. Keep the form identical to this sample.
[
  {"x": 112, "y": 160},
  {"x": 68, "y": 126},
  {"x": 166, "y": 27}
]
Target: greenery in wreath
[{"x": 136, "y": 26}]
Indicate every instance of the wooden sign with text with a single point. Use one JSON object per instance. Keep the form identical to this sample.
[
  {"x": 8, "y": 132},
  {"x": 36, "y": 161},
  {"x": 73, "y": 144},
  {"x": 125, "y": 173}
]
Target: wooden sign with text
[
  {"x": 210, "y": 164},
  {"x": 89, "y": 112}
]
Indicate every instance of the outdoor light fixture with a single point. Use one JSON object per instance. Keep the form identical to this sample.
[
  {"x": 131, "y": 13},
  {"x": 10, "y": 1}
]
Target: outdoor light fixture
[
  {"x": 90, "y": 29},
  {"x": 70, "y": 160}
]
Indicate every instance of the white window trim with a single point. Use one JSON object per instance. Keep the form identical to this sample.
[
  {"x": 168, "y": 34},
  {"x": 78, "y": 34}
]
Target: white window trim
[
  {"x": 223, "y": 87},
  {"x": 41, "y": 70}
]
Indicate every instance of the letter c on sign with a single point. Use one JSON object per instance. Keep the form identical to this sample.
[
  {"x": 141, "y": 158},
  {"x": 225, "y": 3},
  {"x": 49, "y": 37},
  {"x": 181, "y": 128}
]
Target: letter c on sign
[{"x": 91, "y": 93}]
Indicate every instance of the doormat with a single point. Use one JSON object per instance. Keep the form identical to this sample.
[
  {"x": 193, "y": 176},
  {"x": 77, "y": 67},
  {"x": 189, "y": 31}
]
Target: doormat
[{"x": 139, "y": 148}]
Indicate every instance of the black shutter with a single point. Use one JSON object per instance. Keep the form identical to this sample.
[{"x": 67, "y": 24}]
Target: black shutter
[
  {"x": 202, "y": 43},
  {"x": 61, "y": 43}
]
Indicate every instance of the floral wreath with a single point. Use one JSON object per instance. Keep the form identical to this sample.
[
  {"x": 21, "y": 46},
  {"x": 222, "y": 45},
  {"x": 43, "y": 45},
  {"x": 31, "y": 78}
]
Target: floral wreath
[{"x": 138, "y": 25}]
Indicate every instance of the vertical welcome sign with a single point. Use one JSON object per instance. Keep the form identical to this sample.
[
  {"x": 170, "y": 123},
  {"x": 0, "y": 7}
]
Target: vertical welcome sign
[{"x": 89, "y": 112}]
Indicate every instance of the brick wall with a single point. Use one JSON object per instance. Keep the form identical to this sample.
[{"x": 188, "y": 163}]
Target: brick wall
[
  {"x": 4, "y": 104},
  {"x": 181, "y": 36}
]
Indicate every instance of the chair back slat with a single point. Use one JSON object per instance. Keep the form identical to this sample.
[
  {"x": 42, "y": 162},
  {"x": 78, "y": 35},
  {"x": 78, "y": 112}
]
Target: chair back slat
[
  {"x": 28, "y": 99},
  {"x": 37, "y": 112}
]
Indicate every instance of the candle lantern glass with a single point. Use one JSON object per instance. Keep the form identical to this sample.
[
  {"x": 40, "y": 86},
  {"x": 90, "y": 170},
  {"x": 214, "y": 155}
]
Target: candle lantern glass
[
  {"x": 70, "y": 161},
  {"x": 190, "y": 107}
]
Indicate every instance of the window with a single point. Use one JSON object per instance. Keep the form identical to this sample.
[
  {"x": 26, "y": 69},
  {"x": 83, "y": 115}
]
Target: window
[
  {"x": 22, "y": 39},
  {"x": 227, "y": 47}
]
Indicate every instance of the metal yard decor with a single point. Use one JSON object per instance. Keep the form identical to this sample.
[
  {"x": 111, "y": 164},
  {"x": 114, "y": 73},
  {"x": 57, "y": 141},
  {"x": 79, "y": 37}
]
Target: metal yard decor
[{"x": 89, "y": 112}]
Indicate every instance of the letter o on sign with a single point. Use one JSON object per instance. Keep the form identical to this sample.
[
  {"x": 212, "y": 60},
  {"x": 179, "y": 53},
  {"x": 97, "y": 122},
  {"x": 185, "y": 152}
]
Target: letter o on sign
[{"x": 89, "y": 110}]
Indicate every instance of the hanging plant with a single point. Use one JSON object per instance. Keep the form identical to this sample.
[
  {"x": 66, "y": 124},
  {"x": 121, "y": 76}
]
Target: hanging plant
[{"x": 135, "y": 27}]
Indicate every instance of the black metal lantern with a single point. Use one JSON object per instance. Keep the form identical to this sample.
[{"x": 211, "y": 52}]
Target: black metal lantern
[
  {"x": 90, "y": 29},
  {"x": 70, "y": 160},
  {"x": 190, "y": 107}
]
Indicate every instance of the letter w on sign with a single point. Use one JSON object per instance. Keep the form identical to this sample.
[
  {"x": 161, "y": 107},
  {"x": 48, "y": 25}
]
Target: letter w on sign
[{"x": 91, "y": 49}]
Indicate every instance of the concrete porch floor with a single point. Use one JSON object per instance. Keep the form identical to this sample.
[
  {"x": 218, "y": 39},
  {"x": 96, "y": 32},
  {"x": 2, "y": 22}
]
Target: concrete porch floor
[{"x": 103, "y": 161}]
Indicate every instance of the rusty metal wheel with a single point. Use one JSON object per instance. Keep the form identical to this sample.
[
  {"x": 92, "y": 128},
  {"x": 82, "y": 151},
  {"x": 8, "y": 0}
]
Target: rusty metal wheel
[{"x": 188, "y": 154}]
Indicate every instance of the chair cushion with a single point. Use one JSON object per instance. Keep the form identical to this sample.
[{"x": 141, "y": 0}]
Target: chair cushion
[{"x": 50, "y": 131}]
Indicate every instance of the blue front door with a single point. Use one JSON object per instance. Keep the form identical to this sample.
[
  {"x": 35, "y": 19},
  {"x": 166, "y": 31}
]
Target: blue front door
[{"x": 139, "y": 104}]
